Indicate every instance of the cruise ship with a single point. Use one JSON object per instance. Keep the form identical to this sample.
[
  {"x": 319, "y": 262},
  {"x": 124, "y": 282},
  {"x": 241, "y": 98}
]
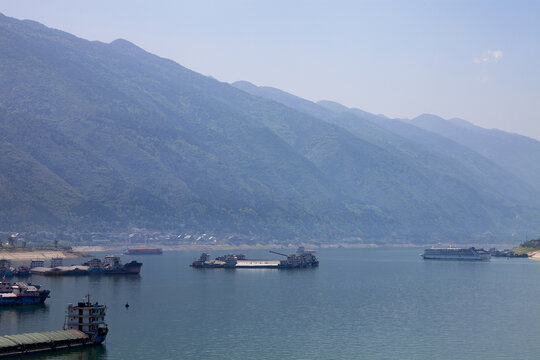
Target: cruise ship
[{"x": 452, "y": 253}]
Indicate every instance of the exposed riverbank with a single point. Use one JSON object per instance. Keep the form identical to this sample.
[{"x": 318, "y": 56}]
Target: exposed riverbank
[
  {"x": 534, "y": 255},
  {"x": 40, "y": 254}
]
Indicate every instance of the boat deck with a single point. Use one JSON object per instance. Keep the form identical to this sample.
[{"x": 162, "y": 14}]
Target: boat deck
[
  {"x": 22, "y": 344},
  {"x": 60, "y": 270},
  {"x": 257, "y": 264}
]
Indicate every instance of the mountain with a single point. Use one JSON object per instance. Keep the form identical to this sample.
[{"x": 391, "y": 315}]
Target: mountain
[
  {"x": 143, "y": 141},
  {"x": 107, "y": 136},
  {"x": 428, "y": 150},
  {"x": 518, "y": 154},
  {"x": 435, "y": 153}
]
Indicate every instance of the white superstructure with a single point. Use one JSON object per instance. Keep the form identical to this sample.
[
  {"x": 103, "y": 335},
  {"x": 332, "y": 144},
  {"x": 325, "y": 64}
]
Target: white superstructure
[{"x": 85, "y": 317}]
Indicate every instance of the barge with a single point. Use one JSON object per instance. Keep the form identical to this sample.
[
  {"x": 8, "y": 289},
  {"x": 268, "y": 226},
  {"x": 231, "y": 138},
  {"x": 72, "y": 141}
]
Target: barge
[
  {"x": 84, "y": 325},
  {"x": 111, "y": 265},
  {"x": 452, "y": 253},
  {"x": 144, "y": 251},
  {"x": 301, "y": 259}
]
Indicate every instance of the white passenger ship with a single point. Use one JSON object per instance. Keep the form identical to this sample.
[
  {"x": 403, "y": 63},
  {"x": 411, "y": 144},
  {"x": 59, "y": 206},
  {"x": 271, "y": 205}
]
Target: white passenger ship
[{"x": 452, "y": 253}]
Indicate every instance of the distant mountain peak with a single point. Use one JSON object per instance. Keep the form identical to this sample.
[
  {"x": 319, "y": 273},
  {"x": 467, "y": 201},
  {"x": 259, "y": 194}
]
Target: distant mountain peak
[
  {"x": 123, "y": 42},
  {"x": 244, "y": 85},
  {"x": 428, "y": 117},
  {"x": 126, "y": 45}
]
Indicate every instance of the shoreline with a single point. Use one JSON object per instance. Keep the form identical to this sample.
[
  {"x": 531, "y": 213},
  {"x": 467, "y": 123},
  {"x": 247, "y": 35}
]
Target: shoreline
[
  {"x": 535, "y": 255},
  {"x": 40, "y": 254},
  {"x": 226, "y": 247},
  {"x": 87, "y": 250}
]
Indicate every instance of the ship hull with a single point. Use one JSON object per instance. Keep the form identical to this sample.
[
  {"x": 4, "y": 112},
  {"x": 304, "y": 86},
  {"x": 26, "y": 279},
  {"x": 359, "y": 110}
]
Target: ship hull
[
  {"x": 47, "y": 349},
  {"x": 38, "y": 346},
  {"x": 461, "y": 254},
  {"x": 131, "y": 268},
  {"x": 101, "y": 335},
  {"x": 25, "y": 299},
  {"x": 462, "y": 258},
  {"x": 301, "y": 266},
  {"x": 145, "y": 251}
]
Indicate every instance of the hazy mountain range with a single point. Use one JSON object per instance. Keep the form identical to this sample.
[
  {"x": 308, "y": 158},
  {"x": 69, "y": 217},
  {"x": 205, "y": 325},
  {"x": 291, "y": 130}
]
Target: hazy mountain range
[{"x": 99, "y": 136}]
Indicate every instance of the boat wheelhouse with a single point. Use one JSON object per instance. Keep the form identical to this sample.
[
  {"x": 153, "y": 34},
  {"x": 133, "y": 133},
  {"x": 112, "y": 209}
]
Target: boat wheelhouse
[{"x": 89, "y": 318}]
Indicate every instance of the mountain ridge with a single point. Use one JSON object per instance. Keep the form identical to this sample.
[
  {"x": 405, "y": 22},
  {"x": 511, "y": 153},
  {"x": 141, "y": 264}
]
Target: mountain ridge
[
  {"x": 359, "y": 122},
  {"x": 132, "y": 139}
]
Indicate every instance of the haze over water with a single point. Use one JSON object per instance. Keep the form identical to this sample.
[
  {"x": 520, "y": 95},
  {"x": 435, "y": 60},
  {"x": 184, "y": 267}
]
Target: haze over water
[{"x": 360, "y": 303}]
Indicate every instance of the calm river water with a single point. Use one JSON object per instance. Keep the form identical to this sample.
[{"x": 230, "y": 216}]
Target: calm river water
[{"x": 359, "y": 304}]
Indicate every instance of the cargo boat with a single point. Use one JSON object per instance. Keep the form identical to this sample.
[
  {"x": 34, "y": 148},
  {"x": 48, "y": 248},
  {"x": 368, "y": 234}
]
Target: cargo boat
[
  {"x": 112, "y": 265},
  {"x": 144, "y": 251},
  {"x": 302, "y": 259},
  {"x": 6, "y": 269},
  {"x": 452, "y": 253},
  {"x": 84, "y": 325},
  {"x": 23, "y": 271},
  {"x": 21, "y": 293}
]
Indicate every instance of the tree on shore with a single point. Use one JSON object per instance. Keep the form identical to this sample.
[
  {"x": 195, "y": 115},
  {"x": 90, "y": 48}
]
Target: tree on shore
[{"x": 531, "y": 243}]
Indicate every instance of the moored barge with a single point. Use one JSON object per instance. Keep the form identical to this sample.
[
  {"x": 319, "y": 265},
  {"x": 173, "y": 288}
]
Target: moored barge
[
  {"x": 111, "y": 265},
  {"x": 144, "y": 251},
  {"x": 302, "y": 259},
  {"x": 84, "y": 326},
  {"x": 452, "y": 253}
]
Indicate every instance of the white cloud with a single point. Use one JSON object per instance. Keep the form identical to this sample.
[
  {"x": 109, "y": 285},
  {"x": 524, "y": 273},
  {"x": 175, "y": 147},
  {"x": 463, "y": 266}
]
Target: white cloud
[{"x": 489, "y": 56}]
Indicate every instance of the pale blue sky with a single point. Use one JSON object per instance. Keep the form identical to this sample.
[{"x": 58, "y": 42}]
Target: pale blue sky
[{"x": 477, "y": 60}]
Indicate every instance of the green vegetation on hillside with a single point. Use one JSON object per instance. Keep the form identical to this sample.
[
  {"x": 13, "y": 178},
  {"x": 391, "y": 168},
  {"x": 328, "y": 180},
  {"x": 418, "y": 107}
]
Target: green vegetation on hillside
[
  {"x": 528, "y": 247},
  {"x": 106, "y": 137}
]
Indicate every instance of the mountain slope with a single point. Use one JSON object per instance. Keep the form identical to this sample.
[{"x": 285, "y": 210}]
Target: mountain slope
[
  {"x": 125, "y": 138},
  {"x": 432, "y": 197},
  {"x": 517, "y": 154},
  {"x": 418, "y": 148},
  {"x": 132, "y": 132}
]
